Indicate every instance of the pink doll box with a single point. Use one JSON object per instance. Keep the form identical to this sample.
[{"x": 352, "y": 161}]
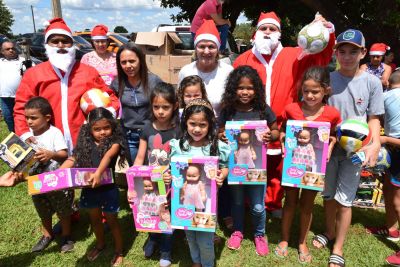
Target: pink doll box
[
  {"x": 64, "y": 179},
  {"x": 306, "y": 150},
  {"x": 147, "y": 197},
  {"x": 194, "y": 193},
  {"x": 247, "y": 162}
]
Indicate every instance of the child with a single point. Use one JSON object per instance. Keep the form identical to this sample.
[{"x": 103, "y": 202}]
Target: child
[
  {"x": 199, "y": 138},
  {"x": 315, "y": 89},
  {"x": 51, "y": 149},
  {"x": 193, "y": 190},
  {"x": 244, "y": 99},
  {"x": 191, "y": 87},
  {"x": 99, "y": 144},
  {"x": 245, "y": 154},
  {"x": 154, "y": 147},
  {"x": 355, "y": 93},
  {"x": 304, "y": 153}
]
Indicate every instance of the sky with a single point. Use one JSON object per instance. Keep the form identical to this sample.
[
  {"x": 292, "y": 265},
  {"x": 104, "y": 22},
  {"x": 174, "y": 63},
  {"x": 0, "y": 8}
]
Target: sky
[{"x": 134, "y": 15}]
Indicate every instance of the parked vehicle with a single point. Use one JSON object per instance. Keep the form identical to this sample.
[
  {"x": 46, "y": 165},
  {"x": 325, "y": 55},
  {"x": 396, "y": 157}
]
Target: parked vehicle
[{"x": 116, "y": 39}]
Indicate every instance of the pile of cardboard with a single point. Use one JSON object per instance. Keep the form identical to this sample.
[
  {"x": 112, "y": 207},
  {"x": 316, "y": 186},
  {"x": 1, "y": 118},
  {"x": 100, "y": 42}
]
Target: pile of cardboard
[{"x": 160, "y": 56}]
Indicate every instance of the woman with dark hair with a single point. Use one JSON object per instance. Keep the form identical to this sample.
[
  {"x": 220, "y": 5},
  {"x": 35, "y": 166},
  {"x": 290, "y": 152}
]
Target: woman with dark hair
[{"x": 133, "y": 86}]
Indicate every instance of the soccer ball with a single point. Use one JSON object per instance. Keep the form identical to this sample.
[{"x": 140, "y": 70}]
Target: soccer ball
[
  {"x": 94, "y": 98},
  {"x": 383, "y": 162},
  {"x": 313, "y": 38},
  {"x": 353, "y": 134}
]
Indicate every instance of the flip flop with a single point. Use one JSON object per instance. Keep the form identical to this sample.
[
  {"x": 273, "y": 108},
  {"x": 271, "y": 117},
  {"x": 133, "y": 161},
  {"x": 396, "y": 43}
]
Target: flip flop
[
  {"x": 337, "y": 259},
  {"x": 322, "y": 239},
  {"x": 117, "y": 260},
  {"x": 304, "y": 258},
  {"x": 281, "y": 251},
  {"x": 94, "y": 253}
]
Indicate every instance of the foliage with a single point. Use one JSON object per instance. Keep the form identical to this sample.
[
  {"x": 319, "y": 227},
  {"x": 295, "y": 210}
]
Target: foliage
[
  {"x": 120, "y": 29},
  {"x": 244, "y": 31},
  {"x": 6, "y": 19}
]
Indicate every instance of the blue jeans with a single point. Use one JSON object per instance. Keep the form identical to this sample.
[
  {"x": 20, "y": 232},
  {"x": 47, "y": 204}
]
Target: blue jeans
[
  {"x": 132, "y": 139},
  {"x": 164, "y": 241},
  {"x": 256, "y": 195},
  {"x": 223, "y": 34},
  {"x": 201, "y": 245},
  {"x": 7, "y": 108}
]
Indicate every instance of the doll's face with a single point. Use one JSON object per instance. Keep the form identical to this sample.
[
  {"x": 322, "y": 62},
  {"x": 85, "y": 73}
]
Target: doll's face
[
  {"x": 148, "y": 186},
  {"x": 244, "y": 138},
  {"x": 310, "y": 178},
  {"x": 200, "y": 219},
  {"x": 165, "y": 216},
  {"x": 304, "y": 137},
  {"x": 253, "y": 175},
  {"x": 193, "y": 174}
]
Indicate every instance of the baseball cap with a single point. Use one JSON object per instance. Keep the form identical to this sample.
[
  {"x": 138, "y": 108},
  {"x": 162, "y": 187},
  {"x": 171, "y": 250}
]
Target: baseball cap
[{"x": 351, "y": 36}]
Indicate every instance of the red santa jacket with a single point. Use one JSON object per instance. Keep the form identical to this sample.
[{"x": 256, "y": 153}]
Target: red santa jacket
[{"x": 42, "y": 80}]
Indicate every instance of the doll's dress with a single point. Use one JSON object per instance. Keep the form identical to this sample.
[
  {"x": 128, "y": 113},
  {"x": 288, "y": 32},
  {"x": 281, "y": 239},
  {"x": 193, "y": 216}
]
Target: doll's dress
[
  {"x": 304, "y": 155},
  {"x": 148, "y": 204},
  {"x": 192, "y": 196},
  {"x": 244, "y": 156}
]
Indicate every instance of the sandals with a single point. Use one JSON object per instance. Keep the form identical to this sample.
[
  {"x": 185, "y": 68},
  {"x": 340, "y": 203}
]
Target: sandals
[
  {"x": 117, "y": 260},
  {"x": 322, "y": 239},
  {"x": 304, "y": 257},
  {"x": 337, "y": 259},
  {"x": 94, "y": 253},
  {"x": 281, "y": 251}
]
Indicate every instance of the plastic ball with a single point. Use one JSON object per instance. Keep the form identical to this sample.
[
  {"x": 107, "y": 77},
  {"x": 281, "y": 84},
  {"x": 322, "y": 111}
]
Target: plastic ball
[
  {"x": 384, "y": 160},
  {"x": 353, "y": 134},
  {"x": 313, "y": 38},
  {"x": 94, "y": 98}
]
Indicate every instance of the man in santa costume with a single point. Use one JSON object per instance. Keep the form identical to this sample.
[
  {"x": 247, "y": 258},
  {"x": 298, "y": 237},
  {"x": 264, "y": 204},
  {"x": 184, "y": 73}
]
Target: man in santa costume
[
  {"x": 62, "y": 81},
  {"x": 280, "y": 70}
]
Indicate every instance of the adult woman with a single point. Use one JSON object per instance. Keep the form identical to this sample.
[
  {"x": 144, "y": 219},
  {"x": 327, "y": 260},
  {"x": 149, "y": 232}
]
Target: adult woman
[
  {"x": 207, "y": 66},
  {"x": 376, "y": 66},
  {"x": 133, "y": 86},
  {"x": 101, "y": 59}
]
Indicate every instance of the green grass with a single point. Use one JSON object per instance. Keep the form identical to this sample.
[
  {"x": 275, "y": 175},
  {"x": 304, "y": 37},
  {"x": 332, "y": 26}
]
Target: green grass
[{"x": 20, "y": 231}]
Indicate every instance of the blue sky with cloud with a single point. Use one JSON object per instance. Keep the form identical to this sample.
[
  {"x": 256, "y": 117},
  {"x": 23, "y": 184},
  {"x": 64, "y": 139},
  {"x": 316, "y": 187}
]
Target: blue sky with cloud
[{"x": 134, "y": 15}]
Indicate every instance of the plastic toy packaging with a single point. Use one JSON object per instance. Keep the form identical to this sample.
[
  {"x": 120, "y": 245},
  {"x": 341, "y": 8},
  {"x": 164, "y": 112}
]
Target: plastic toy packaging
[{"x": 383, "y": 162}]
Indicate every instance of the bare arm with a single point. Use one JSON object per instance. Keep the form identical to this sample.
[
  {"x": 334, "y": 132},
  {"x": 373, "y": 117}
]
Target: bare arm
[
  {"x": 105, "y": 161},
  {"x": 390, "y": 140},
  {"x": 217, "y": 18},
  {"x": 44, "y": 155},
  {"x": 221, "y": 176},
  {"x": 68, "y": 163},
  {"x": 386, "y": 74},
  {"x": 141, "y": 154}
]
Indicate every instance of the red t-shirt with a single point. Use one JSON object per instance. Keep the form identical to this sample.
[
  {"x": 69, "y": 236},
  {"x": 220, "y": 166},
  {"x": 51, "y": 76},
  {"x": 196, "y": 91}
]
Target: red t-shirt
[{"x": 205, "y": 10}]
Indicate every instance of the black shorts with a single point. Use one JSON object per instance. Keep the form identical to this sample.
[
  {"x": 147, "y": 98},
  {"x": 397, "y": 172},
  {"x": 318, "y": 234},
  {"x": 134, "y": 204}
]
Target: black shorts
[{"x": 59, "y": 202}]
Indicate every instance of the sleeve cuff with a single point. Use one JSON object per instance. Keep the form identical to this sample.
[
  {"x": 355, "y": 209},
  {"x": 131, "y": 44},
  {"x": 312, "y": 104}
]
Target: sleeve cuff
[{"x": 26, "y": 136}]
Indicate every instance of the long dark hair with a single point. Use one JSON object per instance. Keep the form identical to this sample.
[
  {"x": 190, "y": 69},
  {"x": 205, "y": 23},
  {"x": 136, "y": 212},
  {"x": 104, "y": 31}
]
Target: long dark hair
[
  {"x": 166, "y": 91},
  {"x": 86, "y": 141},
  {"x": 229, "y": 98},
  {"x": 143, "y": 71},
  {"x": 320, "y": 75},
  {"x": 190, "y": 81},
  {"x": 211, "y": 136}
]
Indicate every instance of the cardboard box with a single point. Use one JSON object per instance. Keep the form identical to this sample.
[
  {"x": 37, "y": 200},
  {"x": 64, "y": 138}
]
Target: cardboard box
[
  {"x": 157, "y": 43},
  {"x": 64, "y": 179},
  {"x": 247, "y": 161},
  {"x": 305, "y": 163},
  {"x": 148, "y": 205},
  {"x": 194, "y": 193},
  {"x": 167, "y": 67},
  {"x": 17, "y": 154}
]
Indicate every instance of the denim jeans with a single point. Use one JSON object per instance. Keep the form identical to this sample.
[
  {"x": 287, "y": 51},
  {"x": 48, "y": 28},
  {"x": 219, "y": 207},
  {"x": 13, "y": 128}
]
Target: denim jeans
[
  {"x": 164, "y": 241},
  {"x": 7, "y": 108},
  {"x": 132, "y": 139},
  {"x": 255, "y": 194},
  {"x": 201, "y": 245}
]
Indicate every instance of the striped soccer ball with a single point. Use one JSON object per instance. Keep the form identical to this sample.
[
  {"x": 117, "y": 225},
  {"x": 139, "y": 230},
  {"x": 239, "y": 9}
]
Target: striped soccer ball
[
  {"x": 313, "y": 38},
  {"x": 94, "y": 98},
  {"x": 353, "y": 134}
]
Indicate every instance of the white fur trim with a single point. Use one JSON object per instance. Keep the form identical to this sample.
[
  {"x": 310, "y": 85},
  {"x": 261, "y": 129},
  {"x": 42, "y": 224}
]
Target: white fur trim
[
  {"x": 269, "y": 21},
  {"x": 100, "y": 37},
  {"x": 57, "y": 31},
  {"x": 207, "y": 36},
  {"x": 376, "y": 53}
]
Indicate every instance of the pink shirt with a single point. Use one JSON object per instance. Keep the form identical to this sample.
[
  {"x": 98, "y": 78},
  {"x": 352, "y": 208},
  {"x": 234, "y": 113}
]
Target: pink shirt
[
  {"x": 204, "y": 11},
  {"x": 107, "y": 68}
]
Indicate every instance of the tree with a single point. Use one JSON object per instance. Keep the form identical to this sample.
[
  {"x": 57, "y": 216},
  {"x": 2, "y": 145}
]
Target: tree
[
  {"x": 244, "y": 32},
  {"x": 6, "y": 19},
  {"x": 120, "y": 29}
]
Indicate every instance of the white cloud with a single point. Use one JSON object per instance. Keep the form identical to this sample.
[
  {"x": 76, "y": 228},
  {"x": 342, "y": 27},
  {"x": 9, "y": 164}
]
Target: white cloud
[{"x": 107, "y": 5}]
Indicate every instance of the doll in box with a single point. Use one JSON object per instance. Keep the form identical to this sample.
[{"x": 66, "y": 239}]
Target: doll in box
[
  {"x": 148, "y": 202},
  {"x": 245, "y": 154},
  {"x": 304, "y": 153},
  {"x": 193, "y": 191},
  {"x": 311, "y": 179}
]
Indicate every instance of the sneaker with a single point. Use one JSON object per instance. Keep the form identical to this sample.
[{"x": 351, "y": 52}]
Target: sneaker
[
  {"x": 261, "y": 245},
  {"x": 393, "y": 235},
  {"x": 394, "y": 260},
  {"x": 149, "y": 248},
  {"x": 43, "y": 243},
  {"x": 165, "y": 259},
  {"x": 277, "y": 214},
  {"x": 235, "y": 240},
  {"x": 67, "y": 245}
]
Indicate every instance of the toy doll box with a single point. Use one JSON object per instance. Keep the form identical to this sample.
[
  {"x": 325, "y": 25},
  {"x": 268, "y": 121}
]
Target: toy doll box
[
  {"x": 64, "y": 179},
  {"x": 16, "y": 153},
  {"x": 147, "y": 197},
  {"x": 306, "y": 150},
  {"x": 194, "y": 193},
  {"x": 248, "y": 159}
]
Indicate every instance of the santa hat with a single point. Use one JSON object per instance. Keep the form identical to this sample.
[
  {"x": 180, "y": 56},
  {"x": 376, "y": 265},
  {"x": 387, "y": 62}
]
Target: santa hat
[
  {"x": 208, "y": 31},
  {"x": 378, "y": 49},
  {"x": 57, "y": 26},
  {"x": 270, "y": 18},
  {"x": 99, "y": 32}
]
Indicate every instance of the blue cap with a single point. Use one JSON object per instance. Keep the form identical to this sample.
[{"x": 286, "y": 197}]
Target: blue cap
[{"x": 350, "y": 36}]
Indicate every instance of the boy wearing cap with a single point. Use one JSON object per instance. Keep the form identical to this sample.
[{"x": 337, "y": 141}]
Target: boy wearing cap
[
  {"x": 376, "y": 66},
  {"x": 355, "y": 93}
]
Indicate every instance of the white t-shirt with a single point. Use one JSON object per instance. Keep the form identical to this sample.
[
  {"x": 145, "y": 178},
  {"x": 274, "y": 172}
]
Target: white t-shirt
[
  {"x": 214, "y": 81},
  {"x": 10, "y": 76}
]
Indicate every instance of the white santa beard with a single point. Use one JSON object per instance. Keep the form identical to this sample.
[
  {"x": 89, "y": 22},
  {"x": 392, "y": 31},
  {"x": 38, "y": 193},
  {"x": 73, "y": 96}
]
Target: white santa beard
[
  {"x": 61, "y": 61},
  {"x": 266, "y": 45}
]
